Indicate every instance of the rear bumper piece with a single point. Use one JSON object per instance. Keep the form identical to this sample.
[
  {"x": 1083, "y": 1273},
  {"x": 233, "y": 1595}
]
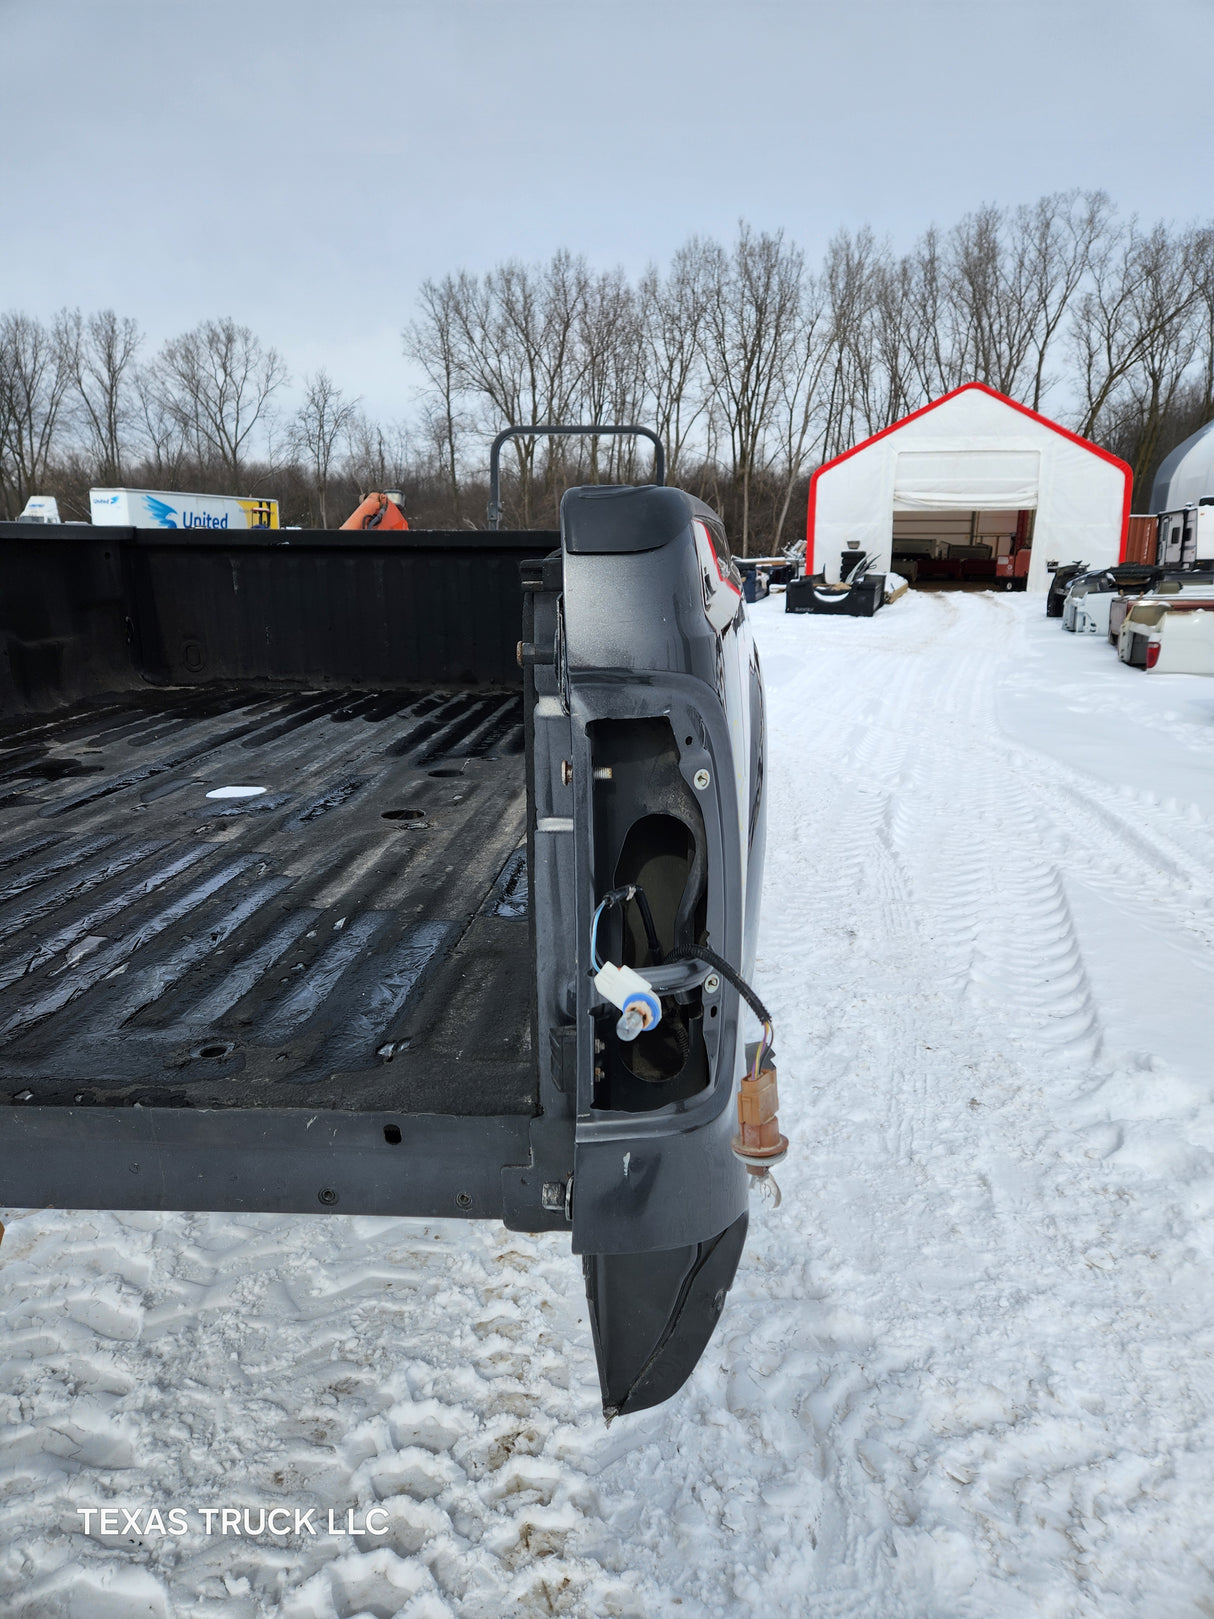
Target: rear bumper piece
[
  {"x": 274, "y": 1161},
  {"x": 654, "y": 1313}
]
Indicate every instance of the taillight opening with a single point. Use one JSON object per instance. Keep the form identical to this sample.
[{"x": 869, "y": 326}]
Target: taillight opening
[{"x": 1152, "y": 653}]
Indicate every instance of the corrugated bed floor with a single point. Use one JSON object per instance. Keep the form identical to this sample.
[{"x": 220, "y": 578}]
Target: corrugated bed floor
[{"x": 355, "y": 936}]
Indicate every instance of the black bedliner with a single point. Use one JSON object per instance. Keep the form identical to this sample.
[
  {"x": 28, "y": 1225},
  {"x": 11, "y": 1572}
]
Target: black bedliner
[{"x": 355, "y": 937}]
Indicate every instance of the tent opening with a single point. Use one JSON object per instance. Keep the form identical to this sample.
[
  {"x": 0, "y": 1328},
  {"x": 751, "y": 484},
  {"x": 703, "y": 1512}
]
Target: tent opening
[{"x": 963, "y": 550}]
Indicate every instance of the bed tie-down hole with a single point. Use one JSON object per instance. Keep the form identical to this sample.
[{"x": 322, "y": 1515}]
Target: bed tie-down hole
[{"x": 214, "y": 1050}]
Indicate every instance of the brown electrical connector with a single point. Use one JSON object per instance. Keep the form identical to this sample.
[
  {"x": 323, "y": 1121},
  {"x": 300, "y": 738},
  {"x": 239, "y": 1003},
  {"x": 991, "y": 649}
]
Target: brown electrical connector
[{"x": 758, "y": 1142}]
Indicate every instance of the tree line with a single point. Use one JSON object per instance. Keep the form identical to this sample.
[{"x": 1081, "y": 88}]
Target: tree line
[{"x": 753, "y": 365}]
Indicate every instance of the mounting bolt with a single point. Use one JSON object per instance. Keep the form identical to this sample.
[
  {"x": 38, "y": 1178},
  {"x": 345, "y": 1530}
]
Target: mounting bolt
[
  {"x": 463, "y": 1200},
  {"x": 711, "y": 984},
  {"x": 327, "y": 1196},
  {"x": 518, "y": 654},
  {"x": 701, "y": 779},
  {"x": 566, "y": 773},
  {"x": 602, "y": 773}
]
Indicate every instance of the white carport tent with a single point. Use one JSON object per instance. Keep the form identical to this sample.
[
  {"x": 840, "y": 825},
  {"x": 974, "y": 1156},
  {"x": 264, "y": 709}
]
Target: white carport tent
[{"x": 973, "y": 450}]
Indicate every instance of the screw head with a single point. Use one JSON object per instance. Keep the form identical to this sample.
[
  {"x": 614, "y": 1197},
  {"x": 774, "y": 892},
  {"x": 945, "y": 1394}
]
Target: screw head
[
  {"x": 463, "y": 1200},
  {"x": 711, "y": 984},
  {"x": 701, "y": 780},
  {"x": 327, "y": 1196}
]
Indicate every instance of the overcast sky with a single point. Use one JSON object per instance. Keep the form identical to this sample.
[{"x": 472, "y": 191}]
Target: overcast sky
[{"x": 303, "y": 166}]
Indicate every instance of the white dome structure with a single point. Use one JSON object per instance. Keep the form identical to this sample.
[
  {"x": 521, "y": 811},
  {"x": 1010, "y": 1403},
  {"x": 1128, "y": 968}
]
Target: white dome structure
[
  {"x": 972, "y": 477},
  {"x": 1186, "y": 476}
]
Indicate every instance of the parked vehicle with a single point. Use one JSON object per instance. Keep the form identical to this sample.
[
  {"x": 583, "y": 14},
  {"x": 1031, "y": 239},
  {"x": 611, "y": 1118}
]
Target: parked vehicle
[
  {"x": 1012, "y": 571},
  {"x": 160, "y": 508},
  {"x": 1086, "y": 608},
  {"x": 1167, "y": 584},
  {"x": 40, "y": 509},
  {"x": 1186, "y": 537},
  {"x": 1173, "y": 636},
  {"x": 394, "y": 872},
  {"x": 1060, "y": 582}
]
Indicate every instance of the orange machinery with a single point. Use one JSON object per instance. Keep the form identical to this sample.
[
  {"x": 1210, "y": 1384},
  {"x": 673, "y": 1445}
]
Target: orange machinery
[{"x": 377, "y": 511}]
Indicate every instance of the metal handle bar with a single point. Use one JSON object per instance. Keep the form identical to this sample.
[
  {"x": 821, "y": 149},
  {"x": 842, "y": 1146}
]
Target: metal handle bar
[{"x": 535, "y": 431}]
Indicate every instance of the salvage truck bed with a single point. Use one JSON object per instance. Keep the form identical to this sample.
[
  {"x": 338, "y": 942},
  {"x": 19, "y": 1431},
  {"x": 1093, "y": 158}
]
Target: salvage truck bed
[
  {"x": 316, "y": 849},
  {"x": 351, "y": 941}
]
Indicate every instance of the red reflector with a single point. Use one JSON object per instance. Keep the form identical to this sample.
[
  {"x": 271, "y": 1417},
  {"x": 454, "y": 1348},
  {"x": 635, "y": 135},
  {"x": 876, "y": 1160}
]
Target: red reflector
[{"x": 1152, "y": 654}]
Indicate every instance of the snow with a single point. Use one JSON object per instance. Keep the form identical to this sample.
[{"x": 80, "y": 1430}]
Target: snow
[{"x": 965, "y": 1369}]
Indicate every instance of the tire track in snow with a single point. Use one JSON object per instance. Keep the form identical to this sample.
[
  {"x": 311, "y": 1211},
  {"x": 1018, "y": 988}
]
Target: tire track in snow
[
  {"x": 438, "y": 1372},
  {"x": 900, "y": 1415},
  {"x": 987, "y": 885},
  {"x": 1128, "y": 846}
]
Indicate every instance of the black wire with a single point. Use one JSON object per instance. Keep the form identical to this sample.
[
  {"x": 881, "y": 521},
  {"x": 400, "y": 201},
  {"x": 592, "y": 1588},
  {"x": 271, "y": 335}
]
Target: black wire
[
  {"x": 651, "y": 932},
  {"x": 702, "y": 952},
  {"x": 621, "y": 896}
]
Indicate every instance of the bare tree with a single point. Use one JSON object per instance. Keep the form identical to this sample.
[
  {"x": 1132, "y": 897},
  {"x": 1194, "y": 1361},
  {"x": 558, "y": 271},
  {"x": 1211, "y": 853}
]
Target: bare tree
[
  {"x": 35, "y": 374},
  {"x": 987, "y": 302},
  {"x": 218, "y": 381},
  {"x": 101, "y": 355},
  {"x": 377, "y": 457},
  {"x": 749, "y": 333},
  {"x": 993, "y": 326},
  {"x": 675, "y": 310},
  {"x": 1057, "y": 236},
  {"x": 322, "y": 420},
  {"x": 1143, "y": 292},
  {"x": 800, "y": 417},
  {"x": 516, "y": 341},
  {"x": 612, "y": 369},
  {"x": 434, "y": 342},
  {"x": 1202, "y": 250},
  {"x": 162, "y": 442},
  {"x": 850, "y": 277},
  {"x": 1146, "y": 393},
  {"x": 928, "y": 323}
]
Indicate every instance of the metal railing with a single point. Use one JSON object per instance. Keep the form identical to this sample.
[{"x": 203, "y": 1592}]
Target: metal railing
[{"x": 535, "y": 431}]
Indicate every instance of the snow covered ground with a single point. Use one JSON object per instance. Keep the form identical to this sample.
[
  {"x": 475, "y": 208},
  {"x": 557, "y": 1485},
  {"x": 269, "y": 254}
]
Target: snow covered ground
[{"x": 966, "y": 1367}]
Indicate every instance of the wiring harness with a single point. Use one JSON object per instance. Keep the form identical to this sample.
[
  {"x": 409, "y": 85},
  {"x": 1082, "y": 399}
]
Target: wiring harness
[
  {"x": 758, "y": 1143},
  {"x": 701, "y": 953}
]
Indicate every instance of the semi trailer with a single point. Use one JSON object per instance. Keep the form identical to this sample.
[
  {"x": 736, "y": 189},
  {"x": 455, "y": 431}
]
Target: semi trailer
[{"x": 164, "y": 508}]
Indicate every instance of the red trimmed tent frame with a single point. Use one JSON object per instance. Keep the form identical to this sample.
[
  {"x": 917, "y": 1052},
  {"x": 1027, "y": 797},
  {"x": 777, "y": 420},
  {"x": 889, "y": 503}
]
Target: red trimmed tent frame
[{"x": 925, "y": 410}]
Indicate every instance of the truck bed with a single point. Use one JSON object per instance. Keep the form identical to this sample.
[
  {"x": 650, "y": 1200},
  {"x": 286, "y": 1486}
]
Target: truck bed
[
  {"x": 365, "y": 987},
  {"x": 355, "y": 937}
]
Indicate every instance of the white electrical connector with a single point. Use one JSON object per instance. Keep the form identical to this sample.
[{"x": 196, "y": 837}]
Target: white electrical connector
[{"x": 633, "y": 995}]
